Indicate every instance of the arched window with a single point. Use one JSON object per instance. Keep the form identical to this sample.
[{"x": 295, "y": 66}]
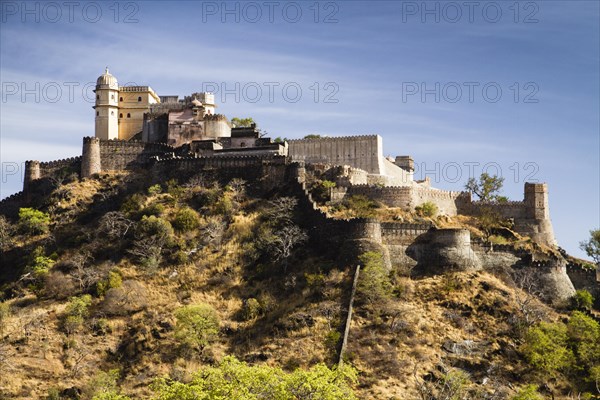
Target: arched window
[
  {"x": 128, "y": 115},
  {"x": 121, "y": 115},
  {"x": 97, "y": 97},
  {"x": 112, "y": 96},
  {"x": 112, "y": 113},
  {"x": 243, "y": 144},
  {"x": 120, "y": 99},
  {"x": 97, "y": 113},
  {"x": 140, "y": 98}
]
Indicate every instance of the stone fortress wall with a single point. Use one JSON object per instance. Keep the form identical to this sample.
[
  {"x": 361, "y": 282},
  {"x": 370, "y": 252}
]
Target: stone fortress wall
[
  {"x": 404, "y": 245},
  {"x": 423, "y": 249},
  {"x": 360, "y": 152}
]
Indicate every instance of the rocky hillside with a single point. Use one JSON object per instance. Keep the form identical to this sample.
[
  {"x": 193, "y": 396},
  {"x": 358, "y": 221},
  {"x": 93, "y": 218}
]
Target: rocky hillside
[{"x": 120, "y": 287}]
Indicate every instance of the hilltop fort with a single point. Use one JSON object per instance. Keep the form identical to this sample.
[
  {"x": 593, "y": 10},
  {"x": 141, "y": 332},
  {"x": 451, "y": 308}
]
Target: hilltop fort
[{"x": 136, "y": 129}]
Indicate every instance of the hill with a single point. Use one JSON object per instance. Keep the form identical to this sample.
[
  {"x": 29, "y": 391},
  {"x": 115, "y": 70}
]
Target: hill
[{"x": 113, "y": 283}]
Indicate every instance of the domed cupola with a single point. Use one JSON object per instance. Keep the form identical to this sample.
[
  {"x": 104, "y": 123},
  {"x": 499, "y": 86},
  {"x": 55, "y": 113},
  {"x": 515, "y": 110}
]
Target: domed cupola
[{"x": 107, "y": 81}]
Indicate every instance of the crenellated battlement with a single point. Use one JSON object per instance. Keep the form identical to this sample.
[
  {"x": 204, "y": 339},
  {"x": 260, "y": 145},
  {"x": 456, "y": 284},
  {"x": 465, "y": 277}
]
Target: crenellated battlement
[
  {"x": 215, "y": 117},
  {"x": 334, "y": 138},
  {"x": 59, "y": 163}
]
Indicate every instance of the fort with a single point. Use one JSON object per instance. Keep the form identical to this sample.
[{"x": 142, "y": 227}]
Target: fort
[{"x": 138, "y": 130}]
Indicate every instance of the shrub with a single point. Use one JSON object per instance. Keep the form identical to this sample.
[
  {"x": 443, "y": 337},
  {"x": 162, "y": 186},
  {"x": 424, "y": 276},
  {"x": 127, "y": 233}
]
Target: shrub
[
  {"x": 154, "y": 226},
  {"x": 132, "y": 205},
  {"x": 332, "y": 339},
  {"x": 528, "y": 392},
  {"x": 545, "y": 347},
  {"x": 373, "y": 283},
  {"x": 59, "y": 285},
  {"x": 154, "y": 189},
  {"x": 197, "y": 325},
  {"x": 186, "y": 220},
  {"x": 155, "y": 209},
  {"x": 104, "y": 386},
  {"x": 113, "y": 280},
  {"x": 321, "y": 191},
  {"x": 427, "y": 209},
  {"x": 251, "y": 309},
  {"x": 224, "y": 206},
  {"x": 39, "y": 264},
  {"x": 233, "y": 379},
  {"x": 130, "y": 297},
  {"x": 76, "y": 312},
  {"x": 584, "y": 334},
  {"x": 33, "y": 221},
  {"x": 582, "y": 300},
  {"x": 361, "y": 205}
]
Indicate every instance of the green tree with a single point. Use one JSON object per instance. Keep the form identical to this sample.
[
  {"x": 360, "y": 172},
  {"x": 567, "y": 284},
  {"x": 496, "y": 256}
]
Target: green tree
[
  {"x": 374, "y": 284},
  {"x": 592, "y": 245},
  {"x": 236, "y": 380},
  {"x": 39, "y": 264},
  {"x": 545, "y": 347},
  {"x": 427, "y": 209},
  {"x": 313, "y": 136},
  {"x": 528, "y": 392},
  {"x": 76, "y": 312},
  {"x": 584, "y": 334},
  {"x": 186, "y": 220},
  {"x": 104, "y": 386},
  {"x": 242, "y": 122},
  {"x": 583, "y": 300},
  {"x": 197, "y": 325},
  {"x": 33, "y": 221},
  {"x": 487, "y": 188}
]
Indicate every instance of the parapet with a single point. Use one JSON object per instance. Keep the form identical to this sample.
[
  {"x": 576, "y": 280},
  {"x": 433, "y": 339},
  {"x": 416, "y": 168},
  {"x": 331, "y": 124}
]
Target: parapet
[
  {"x": 334, "y": 138},
  {"x": 215, "y": 117}
]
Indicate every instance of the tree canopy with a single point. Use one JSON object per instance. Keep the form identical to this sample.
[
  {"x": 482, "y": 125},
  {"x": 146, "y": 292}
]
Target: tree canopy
[
  {"x": 242, "y": 122},
  {"x": 487, "y": 187},
  {"x": 592, "y": 245}
]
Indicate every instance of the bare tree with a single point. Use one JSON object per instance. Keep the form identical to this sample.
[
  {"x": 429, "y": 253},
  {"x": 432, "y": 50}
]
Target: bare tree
[
  {"x": 453, "y": 385},
  {"x": 214, "y": 230},
  {"x": 115, "y": 225},
  {"x": 529, "y": 311},
  {"x": 282, "y": 242},
  {"x": 84, "y": 275},
  {"x": 148, "y": 250},
  {"x": 281, "y": 210},
  {"x": 237, "y": 187}
]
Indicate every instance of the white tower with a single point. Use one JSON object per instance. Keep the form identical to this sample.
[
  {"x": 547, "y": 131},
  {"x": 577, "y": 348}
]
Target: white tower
[{"x": 107, "y": 106}]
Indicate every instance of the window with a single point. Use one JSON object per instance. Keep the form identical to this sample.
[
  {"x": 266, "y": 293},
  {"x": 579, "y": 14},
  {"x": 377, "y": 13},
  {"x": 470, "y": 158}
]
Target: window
[
  {"x": 128, "y": 115},
  {"x": 140, "y": 98},
  {"x": 112, "y": 113},
  {"x": 112, "y": 96},
  {"x": 120, "y": 99},
  {"x": 97, "y": 97},
  {"x": 243, "y": 144},
  {"x": 121, "y": 115},
  {"x": 97, "y": 113}
]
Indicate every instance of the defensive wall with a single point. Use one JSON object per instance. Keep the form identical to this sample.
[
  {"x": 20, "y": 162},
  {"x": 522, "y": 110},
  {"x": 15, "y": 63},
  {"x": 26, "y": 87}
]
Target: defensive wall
[
  {"x": 405, "y": 197},
  {"x": 262, "y": 172},
  {"x": 118, "y": 155},
  {"x": 364, "y": 152},
  {"x": 35, "y": 170},
  {"x": 531, "y": 216}
]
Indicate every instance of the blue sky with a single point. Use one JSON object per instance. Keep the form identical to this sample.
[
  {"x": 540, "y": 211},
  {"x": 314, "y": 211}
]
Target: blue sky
[{"x": 509, "y": 87}]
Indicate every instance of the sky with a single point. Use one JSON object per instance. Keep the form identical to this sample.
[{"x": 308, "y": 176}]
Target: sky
[{"x": 510, "y": 88}]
